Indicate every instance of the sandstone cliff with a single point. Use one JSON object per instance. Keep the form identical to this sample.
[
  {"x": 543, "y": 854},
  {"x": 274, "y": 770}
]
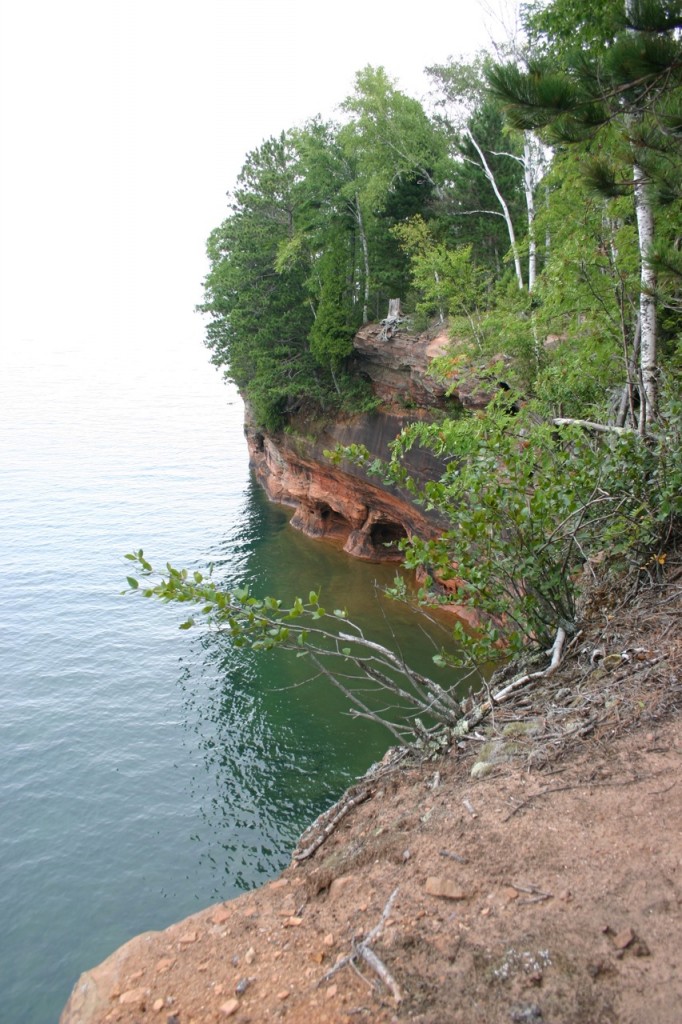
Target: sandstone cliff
[{"x": 342, "y": 503}]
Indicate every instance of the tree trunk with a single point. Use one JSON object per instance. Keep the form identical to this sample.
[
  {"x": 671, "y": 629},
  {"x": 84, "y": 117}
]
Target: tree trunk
[
  {"x": 529, "y": 189},
  {"x": 365, "y": 256},
  {"x": 503, "y": 204},
  {"x": 647, "y": 302},
  {"x": 627, "y": 398},
  {"x": 647, "y": 289}
]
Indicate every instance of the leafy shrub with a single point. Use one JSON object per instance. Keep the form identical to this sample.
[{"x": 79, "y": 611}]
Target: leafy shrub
[{"x": 528, "y": 504}]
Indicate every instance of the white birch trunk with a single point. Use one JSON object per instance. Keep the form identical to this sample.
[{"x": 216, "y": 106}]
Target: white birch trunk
[
  {"x": 647, "y": 291},
  {"x": 529, "y": 189},
  {"x": 365, "y": 256},
  {"x": 503, "y": 204},
  {"x": 647, "y": 302}
]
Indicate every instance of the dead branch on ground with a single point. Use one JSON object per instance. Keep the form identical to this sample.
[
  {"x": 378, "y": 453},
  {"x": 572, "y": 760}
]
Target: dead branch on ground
[{"x": 364, "y": 951}]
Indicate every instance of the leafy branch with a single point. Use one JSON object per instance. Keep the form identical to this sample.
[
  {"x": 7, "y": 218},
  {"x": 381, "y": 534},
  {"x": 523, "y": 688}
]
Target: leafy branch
[{"x": 380, "y": 685}]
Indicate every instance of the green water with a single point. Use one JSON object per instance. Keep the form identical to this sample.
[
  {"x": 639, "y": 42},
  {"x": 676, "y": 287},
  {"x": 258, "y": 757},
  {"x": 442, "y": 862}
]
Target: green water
[{"x": 277, "y": 742}]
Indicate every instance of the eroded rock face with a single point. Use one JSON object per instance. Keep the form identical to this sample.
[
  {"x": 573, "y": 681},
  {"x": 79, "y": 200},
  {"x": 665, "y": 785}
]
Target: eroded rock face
[
  {"x": 341, "y": 503},
  {"x": 398, "y": 366}
]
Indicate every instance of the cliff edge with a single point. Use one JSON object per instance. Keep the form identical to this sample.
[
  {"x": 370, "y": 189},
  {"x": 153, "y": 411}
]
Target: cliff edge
[
  {"x": 545, "y": 888},
  {"x": 342, "y": 503}
]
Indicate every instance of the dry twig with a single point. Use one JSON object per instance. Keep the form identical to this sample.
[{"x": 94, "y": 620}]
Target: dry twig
[{"x": 364, "y": 952}]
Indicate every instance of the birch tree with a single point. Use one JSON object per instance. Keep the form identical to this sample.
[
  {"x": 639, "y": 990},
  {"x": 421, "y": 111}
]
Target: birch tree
[
  {"x": 631, "y": 84},
  {"x": 461, "y": 94}
]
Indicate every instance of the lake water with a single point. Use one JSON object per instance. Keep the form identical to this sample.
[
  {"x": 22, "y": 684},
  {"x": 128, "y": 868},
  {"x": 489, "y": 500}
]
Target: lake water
[{"x": 146, "y": 772}]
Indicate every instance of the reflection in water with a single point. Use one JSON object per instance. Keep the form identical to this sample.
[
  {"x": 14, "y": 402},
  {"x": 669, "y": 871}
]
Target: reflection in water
[{"x": 274, "y": 747}]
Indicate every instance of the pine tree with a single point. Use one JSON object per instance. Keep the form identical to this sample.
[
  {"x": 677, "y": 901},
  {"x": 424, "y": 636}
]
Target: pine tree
[{"x": 628, "y": 94}]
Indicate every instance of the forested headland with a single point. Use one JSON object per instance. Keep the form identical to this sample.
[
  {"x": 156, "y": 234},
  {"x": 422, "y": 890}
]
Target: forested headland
[{"x": 533, "y": 206}]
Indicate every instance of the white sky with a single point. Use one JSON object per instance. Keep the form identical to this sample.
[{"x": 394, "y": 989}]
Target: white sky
[{"x": 123, "y": 124}]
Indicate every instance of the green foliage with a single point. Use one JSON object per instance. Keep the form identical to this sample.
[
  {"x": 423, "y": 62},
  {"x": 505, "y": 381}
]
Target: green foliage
[
  {"x": 528, "y": 505},
  {"x": 259, "y": 319},
  {"x": 391, "y": 136},
  {"x": 331, "y": 335},
  {"x": 306, "y": 253},
  {"x": 632, "y": 85},
  {"x": 470, "y": 213},
  {"x": 447, "y": 281}
]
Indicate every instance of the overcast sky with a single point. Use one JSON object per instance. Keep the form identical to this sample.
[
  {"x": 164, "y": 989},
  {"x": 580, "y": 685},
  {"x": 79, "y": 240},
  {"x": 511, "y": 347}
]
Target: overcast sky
[{"x": 123, "y": 124}]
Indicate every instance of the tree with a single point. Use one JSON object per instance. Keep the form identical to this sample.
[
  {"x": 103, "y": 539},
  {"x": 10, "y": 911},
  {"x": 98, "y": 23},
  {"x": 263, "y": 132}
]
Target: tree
[
  {"x": 630, "y": 90},
  {"x": 331, "y": 335},
  {"x": 422, "y": 711},
  {"x": 506, "y": 170},
  {"x": 447, "y": 280},
  {"x": 259, "y": 319},
  {"x": 527, "y": 504},
  {"x": 399, "y": 157},
  {"x": 392, "y": 135}
]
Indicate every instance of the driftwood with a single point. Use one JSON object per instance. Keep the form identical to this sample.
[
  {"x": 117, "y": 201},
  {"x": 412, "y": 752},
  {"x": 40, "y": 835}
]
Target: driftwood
[
  {"x": 501, "y": 696},
  {"x": 327, "y": 822}
]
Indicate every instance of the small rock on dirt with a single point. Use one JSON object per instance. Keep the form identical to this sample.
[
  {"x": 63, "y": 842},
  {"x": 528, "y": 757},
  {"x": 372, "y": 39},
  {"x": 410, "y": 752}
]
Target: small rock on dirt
[
  {"x": 436, "y": 885},
  {"x": 220, "y": 915},
  {"x": 134, "y": 997},
  {"x": 339, "y": 884},
  {"x": 623, "y": 938},
  {"x": 229, "y": 1008}
]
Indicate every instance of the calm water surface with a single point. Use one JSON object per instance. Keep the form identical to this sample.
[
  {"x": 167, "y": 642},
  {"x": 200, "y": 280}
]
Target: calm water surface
[{"x": 145, "y": 772}]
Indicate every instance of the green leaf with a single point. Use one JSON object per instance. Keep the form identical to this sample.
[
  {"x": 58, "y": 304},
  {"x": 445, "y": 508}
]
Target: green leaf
[{"x": 132, "y": 582}]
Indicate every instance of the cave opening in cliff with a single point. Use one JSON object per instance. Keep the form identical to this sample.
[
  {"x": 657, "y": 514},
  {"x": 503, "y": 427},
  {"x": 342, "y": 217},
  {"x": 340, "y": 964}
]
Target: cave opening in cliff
[
  {"x": 332, "y": 519},
  {"x": 387, "y": 535}
]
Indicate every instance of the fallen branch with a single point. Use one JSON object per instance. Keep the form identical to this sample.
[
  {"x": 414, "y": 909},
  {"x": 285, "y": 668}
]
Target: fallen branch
[
  {"x": 364, "y": 952},
  {"x": 453, "y": 856},
  {"x": 338, "y": 812},
  {"x": 578, "y": 785},
  {"x": 469, "y": 807},
  {"x": 486, "y": 706},
  {"x": 536, "y": 894},
  {"x": 325, "y": 824},
  {"x": 380, "y": 968},
  {"x": 600, "y": 428},
  {"x": 556, "y": 650}
]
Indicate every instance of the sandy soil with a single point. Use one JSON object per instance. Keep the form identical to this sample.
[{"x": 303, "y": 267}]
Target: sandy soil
[{"x": 548, "y": 887}]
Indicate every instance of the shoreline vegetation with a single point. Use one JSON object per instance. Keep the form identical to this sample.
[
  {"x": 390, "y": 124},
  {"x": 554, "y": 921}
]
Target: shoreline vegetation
[{"x": 541, "y": 888}]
